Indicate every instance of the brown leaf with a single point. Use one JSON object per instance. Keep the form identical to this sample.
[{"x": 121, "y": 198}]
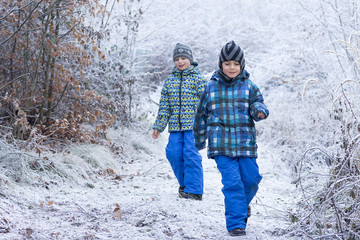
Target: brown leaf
[
  {"x": 38, "y": 151},
  {"x": 29, "y": 231},
  {"x": 118, "y": 177},
  {"x": 4, "y": 229},
  {"x": 117, "y": 212}
]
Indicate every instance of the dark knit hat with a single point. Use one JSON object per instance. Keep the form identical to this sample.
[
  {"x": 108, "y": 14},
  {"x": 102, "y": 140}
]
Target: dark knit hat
[
  {"x": 182, "y": 50},
  {"x": 231, "y": 51}
]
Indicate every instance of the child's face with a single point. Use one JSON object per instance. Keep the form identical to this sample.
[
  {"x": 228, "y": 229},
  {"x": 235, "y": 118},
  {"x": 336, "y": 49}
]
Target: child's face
[
  {"x": 182, "y": 63},
  {"x": 231, "y": 68}
]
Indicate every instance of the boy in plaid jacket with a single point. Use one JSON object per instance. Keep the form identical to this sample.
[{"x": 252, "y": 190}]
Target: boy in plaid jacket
[
  {"x": 178, "y": 103},
  {"x": 226, "y": 113}
]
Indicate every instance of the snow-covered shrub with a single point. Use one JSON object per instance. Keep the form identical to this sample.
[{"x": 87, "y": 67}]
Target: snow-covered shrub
[
  {"x": 329, "y": 176},
  {"x": 328, "y": 172},
  {"x": 76, "y": 164}
]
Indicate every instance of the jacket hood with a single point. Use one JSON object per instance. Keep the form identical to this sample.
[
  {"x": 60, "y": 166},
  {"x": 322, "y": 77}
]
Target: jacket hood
[
  {"x": 241, "y": 77},
  {"x": 194, "y": 68}
]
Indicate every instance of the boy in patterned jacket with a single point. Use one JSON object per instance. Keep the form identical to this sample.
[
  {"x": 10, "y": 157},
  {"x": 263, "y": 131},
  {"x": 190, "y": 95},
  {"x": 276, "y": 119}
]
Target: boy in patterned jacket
[
  {"x": 226, "y": 113},
  {"x": 178, "y": 103}
]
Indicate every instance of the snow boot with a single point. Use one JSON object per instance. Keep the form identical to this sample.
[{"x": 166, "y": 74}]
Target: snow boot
[
  {"x": 190, "y": 195},
  {"x": 248, "y": 214},
  {"x": 237, "y": 232},
  {"x": 181, "y": 189}
]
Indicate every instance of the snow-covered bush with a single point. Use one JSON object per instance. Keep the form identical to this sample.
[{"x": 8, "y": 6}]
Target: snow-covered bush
[
  {"x": 45, "y": 47},
  {"x": 328, "y": 171}
]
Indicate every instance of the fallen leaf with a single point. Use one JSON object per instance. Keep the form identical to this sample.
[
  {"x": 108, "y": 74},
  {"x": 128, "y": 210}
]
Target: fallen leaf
[
  {"x": 4, "y": 229},
  {"x": 117, "y": 211},
  {"x": 29, "y": 231}
]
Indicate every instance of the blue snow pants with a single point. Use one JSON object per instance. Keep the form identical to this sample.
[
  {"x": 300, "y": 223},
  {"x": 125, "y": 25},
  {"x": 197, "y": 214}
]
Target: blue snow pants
[
  {"x": 240, "y": 179},
  {"x": 185, "y": 161}
]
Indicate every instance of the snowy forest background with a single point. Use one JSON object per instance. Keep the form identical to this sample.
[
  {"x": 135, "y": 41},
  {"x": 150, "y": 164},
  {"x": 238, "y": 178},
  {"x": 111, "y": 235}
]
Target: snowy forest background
[{"x": 79, "y": 86}]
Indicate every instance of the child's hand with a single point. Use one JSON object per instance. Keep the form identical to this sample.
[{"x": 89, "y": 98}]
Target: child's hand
[
  {"x": 261, "y": 115},
  {"x": 155, "y": 134}
]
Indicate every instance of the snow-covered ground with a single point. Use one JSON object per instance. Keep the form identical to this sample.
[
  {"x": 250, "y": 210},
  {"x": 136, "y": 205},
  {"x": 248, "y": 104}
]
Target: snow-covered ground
[
  {"x": 133, "y": 195},
  {"x": 90, "y": 192},
  {"x": 128, "y": 190}
]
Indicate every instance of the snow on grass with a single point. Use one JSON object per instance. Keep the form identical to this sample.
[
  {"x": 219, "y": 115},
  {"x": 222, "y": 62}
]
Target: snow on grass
[{"x": 133, "y": 195}]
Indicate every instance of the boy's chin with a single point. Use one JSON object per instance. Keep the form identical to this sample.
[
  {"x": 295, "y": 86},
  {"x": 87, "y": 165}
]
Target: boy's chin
[{"x": 231, "y": 76}]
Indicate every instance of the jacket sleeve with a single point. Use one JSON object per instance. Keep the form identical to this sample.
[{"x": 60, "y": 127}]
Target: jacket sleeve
[
  {"x": 201, "y": 86},
  {"x": 164, "y": 113},
  {"x": 200, "y": 122},
  {"x": 257, "y": 103}
]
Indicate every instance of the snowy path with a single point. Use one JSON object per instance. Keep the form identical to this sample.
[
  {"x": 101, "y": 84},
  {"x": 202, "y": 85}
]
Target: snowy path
[{"x": 149, "y": 207}]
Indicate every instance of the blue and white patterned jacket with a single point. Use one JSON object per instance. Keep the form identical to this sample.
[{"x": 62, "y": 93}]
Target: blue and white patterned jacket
[
  {"x": 179, "y": 99},
  {"x": 226, "y": 115}
]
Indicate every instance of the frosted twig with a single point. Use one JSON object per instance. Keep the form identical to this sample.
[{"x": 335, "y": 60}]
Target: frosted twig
[
  {"x": 347, "y": 100},
  {"x": 22, "y": 24},
  {"x": 166, "y": 23},
  {"x": 144, "y": 173}
]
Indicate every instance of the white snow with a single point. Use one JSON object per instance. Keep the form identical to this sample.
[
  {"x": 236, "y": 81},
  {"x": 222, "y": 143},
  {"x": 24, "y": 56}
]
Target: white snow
[{"x": 146, "y": 193}]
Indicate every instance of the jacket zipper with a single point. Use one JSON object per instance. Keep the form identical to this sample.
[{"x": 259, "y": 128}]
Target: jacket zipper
[
  {"x": 181, "y": 76},
  {"x": 234, "y": 112}
]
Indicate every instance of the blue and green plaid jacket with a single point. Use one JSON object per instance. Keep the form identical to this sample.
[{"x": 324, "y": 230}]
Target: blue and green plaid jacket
[
  {"x": 179, "y": 99},
  {"x": 226, "y": 115}
]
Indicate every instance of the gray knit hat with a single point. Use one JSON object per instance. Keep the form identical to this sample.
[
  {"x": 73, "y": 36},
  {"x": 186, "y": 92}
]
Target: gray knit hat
[
  {"x": 231, "y": 51},
  {"x": 182, "y": 50}
]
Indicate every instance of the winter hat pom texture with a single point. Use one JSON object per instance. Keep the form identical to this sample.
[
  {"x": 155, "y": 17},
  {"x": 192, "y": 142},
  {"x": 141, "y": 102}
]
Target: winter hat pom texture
[
  {"x": 182, "y": 50},
  {"x": 231, "y": 51}
]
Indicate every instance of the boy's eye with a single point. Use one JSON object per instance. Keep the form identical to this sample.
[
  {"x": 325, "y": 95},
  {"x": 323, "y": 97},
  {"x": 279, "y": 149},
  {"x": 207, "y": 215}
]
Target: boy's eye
[{"x": 180, "y": 58}]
